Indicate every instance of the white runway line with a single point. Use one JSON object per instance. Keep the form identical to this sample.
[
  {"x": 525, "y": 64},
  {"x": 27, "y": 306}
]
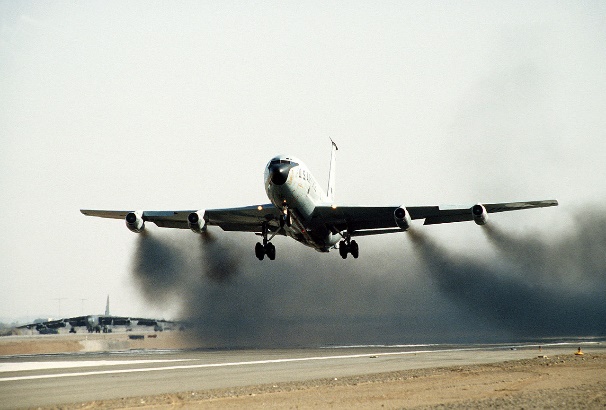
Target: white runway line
[
  {"x": 51, "y": 365},
  {"x": 209, "y": 365},
  {"x": 27, "y": 366}
]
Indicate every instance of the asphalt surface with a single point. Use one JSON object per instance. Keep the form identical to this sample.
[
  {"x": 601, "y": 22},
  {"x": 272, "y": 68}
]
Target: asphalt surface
[{"x": 46, "y": 380}]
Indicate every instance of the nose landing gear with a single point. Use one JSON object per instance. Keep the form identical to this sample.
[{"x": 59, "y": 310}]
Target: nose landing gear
[
  {"x": 266, "y": 248},
  {"x": 286, "y": 218}
]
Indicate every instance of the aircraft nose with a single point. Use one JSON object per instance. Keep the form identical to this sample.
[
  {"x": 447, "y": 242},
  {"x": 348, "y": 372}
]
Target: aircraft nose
[{"x": 278, "y": 173}]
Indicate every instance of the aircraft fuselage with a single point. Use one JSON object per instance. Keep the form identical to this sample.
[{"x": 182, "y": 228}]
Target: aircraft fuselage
[{"x": 291, "y": 187}]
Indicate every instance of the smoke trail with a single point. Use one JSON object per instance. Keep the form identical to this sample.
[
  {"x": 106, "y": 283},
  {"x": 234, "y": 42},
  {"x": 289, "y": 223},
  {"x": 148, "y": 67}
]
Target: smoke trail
[
  {"x": 576, "y": 260},
  {"x": 157, "y": 268},
  {"x": 302, "y": 298},
  {"x": 530, "y": 291},
  {"x": 222, "y": 261},
  {"x": 535, "y": 287}
]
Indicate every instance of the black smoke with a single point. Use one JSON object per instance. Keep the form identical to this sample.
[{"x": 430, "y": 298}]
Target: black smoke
[
  {"x": 537, "y": 287},
  {"x": 303, "y": 298},
  {"x": 405, "y": 288}
]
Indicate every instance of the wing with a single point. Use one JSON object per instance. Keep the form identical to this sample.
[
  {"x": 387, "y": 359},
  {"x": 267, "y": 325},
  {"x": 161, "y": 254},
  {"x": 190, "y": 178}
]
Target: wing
[
  {"x": 114, "y": 321},
  {"x": 372, "y": 220},
  {"x": 243, "y": 219},
  {"x": 77, "y": 321},
  {"x": 51, "y": 324}
]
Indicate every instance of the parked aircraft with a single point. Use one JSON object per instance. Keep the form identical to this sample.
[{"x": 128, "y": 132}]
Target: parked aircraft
[
  {"x": 95, "y": 323},
  {"x": 300, "y": 209}
]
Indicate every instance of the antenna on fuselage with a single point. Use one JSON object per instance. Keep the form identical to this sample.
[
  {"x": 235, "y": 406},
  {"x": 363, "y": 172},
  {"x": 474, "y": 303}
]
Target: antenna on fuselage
[
  {"x": 330, "y": 192},
  {"x": 107, "y": 307}
]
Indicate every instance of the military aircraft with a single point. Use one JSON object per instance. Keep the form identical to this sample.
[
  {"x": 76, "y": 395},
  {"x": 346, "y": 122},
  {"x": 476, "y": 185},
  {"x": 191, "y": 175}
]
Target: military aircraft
[
  {"x": 95, "y": 323},
  {"x": 300, "y": 209}
]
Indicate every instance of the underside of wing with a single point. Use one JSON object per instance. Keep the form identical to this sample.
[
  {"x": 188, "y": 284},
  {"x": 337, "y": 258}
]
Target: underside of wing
[
  {"x": 105, "y": 214},
  {"x": 447, "y": 214},
  {"x": 371, "y": 220},
  {"x": 242, "y": 219},
  {"x": 164, "y": 219},
  {"x": 354, "y": 218},
  {"x": 377, "y": 219},
  {"x": 77, "y": 321},
  {"x": 114, "y": 321},
  {"x": 51, "y": 324}
]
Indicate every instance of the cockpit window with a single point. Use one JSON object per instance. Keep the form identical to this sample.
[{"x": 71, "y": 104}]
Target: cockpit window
[{"x": 282, "y": 161}]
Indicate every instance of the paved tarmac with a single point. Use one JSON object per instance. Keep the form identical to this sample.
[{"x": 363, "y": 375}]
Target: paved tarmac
[{"x": 45, "y": 380}]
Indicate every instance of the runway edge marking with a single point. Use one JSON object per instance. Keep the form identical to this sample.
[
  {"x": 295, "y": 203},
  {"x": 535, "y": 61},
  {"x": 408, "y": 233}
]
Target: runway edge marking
[{"x": 248, "y": 363}]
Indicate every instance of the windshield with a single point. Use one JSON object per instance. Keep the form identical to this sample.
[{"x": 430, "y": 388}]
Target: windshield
[{"x": 282, "y": 161}]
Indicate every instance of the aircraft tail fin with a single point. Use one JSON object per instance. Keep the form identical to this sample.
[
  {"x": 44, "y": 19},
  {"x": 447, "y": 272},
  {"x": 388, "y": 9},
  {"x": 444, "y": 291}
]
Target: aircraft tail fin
[
  {"x": 330, "y": 192},
  {"x": 107, "y": 307}
]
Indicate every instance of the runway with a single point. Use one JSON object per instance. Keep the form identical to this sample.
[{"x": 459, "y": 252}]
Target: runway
[{"x": 46, "y": 380}]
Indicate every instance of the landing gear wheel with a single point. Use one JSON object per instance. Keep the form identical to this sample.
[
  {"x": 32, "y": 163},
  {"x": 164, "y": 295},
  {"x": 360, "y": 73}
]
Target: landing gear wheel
[
  {"x": 259, "y": 251},
  {"x": 346, "y": 246},
  {"x": 265, "y": 248},
  {"x": 343, "y": 249},
  {"x": 270, "y": 251},
  {"x": 353, "y": 249}
]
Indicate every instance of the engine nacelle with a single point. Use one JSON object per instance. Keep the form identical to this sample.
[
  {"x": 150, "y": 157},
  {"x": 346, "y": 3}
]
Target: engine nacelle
[
  {"x": 135, "y": 222},
  {"x": 480, "y": 216},
  {"x": 402, "y": 218},
  {"x": 332, "y": 239},
  {"x": 196, "y": 221}
]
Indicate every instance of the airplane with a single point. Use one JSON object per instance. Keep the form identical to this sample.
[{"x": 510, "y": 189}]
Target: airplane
[
  {"x": 94, "y": 323},
  {"x": 300, "y": 209}
]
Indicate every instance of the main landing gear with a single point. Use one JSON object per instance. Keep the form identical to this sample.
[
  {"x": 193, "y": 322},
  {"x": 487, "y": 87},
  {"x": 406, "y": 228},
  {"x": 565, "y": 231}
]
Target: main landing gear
[
  {"x": 348, "y": 246},
  {"x": 266, "y": 248}
]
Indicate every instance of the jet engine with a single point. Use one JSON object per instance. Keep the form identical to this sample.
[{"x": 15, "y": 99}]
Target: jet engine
[
  {"x": 135, "y": 222},
  {"x": 480, "y": 216},
  {"x": 196, "y": 221},
  {"x": 402, "y": 218}
]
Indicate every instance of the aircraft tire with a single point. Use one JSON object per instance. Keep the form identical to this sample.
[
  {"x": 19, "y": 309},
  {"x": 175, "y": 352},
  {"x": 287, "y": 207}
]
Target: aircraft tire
[
  {"x": 354, "y": 250},
  {"x": 259, "y": 251},
  {"x": 270, "y": 250},
  {"x": 343, "y": 249}
]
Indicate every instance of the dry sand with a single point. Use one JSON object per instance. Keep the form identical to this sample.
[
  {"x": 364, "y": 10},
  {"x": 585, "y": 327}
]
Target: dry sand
[{"x": 565, "y": 382}]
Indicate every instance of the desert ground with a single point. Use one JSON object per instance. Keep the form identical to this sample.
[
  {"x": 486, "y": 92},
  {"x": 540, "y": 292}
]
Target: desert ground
[{"x": 563, "y": 380}]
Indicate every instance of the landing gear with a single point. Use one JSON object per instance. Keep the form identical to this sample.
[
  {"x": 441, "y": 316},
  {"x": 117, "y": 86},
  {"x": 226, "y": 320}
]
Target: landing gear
[
  {"x": 285, "y": 219},
  {"x": 259, "y": 251},
  {"x": 268, "y": 249},
  {"x": 265, "y": 248},
  {"x": 348, "y": 246}
]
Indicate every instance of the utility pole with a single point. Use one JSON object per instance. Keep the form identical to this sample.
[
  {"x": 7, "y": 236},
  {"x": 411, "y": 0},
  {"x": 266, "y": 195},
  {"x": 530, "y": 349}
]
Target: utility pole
[
  {"x": 59, "y": 302},
  {"x": 82, "y": 307}
]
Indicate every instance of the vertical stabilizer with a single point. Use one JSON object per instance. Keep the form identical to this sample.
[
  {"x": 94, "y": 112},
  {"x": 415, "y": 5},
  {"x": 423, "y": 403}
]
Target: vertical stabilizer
[
  {"x": 330, "y": 192},
  {"x": 107, "y": 307}
]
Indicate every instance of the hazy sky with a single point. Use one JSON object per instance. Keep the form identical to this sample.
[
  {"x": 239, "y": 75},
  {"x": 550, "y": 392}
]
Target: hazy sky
[{"x": 179, "y": 105}]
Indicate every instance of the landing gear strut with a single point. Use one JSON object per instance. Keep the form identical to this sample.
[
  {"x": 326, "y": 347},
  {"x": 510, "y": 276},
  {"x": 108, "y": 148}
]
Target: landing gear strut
[
  {"x": 348, "y": 246},
  {"x": 266, "y": 248},
  {"x": 285, "y": 219}
]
